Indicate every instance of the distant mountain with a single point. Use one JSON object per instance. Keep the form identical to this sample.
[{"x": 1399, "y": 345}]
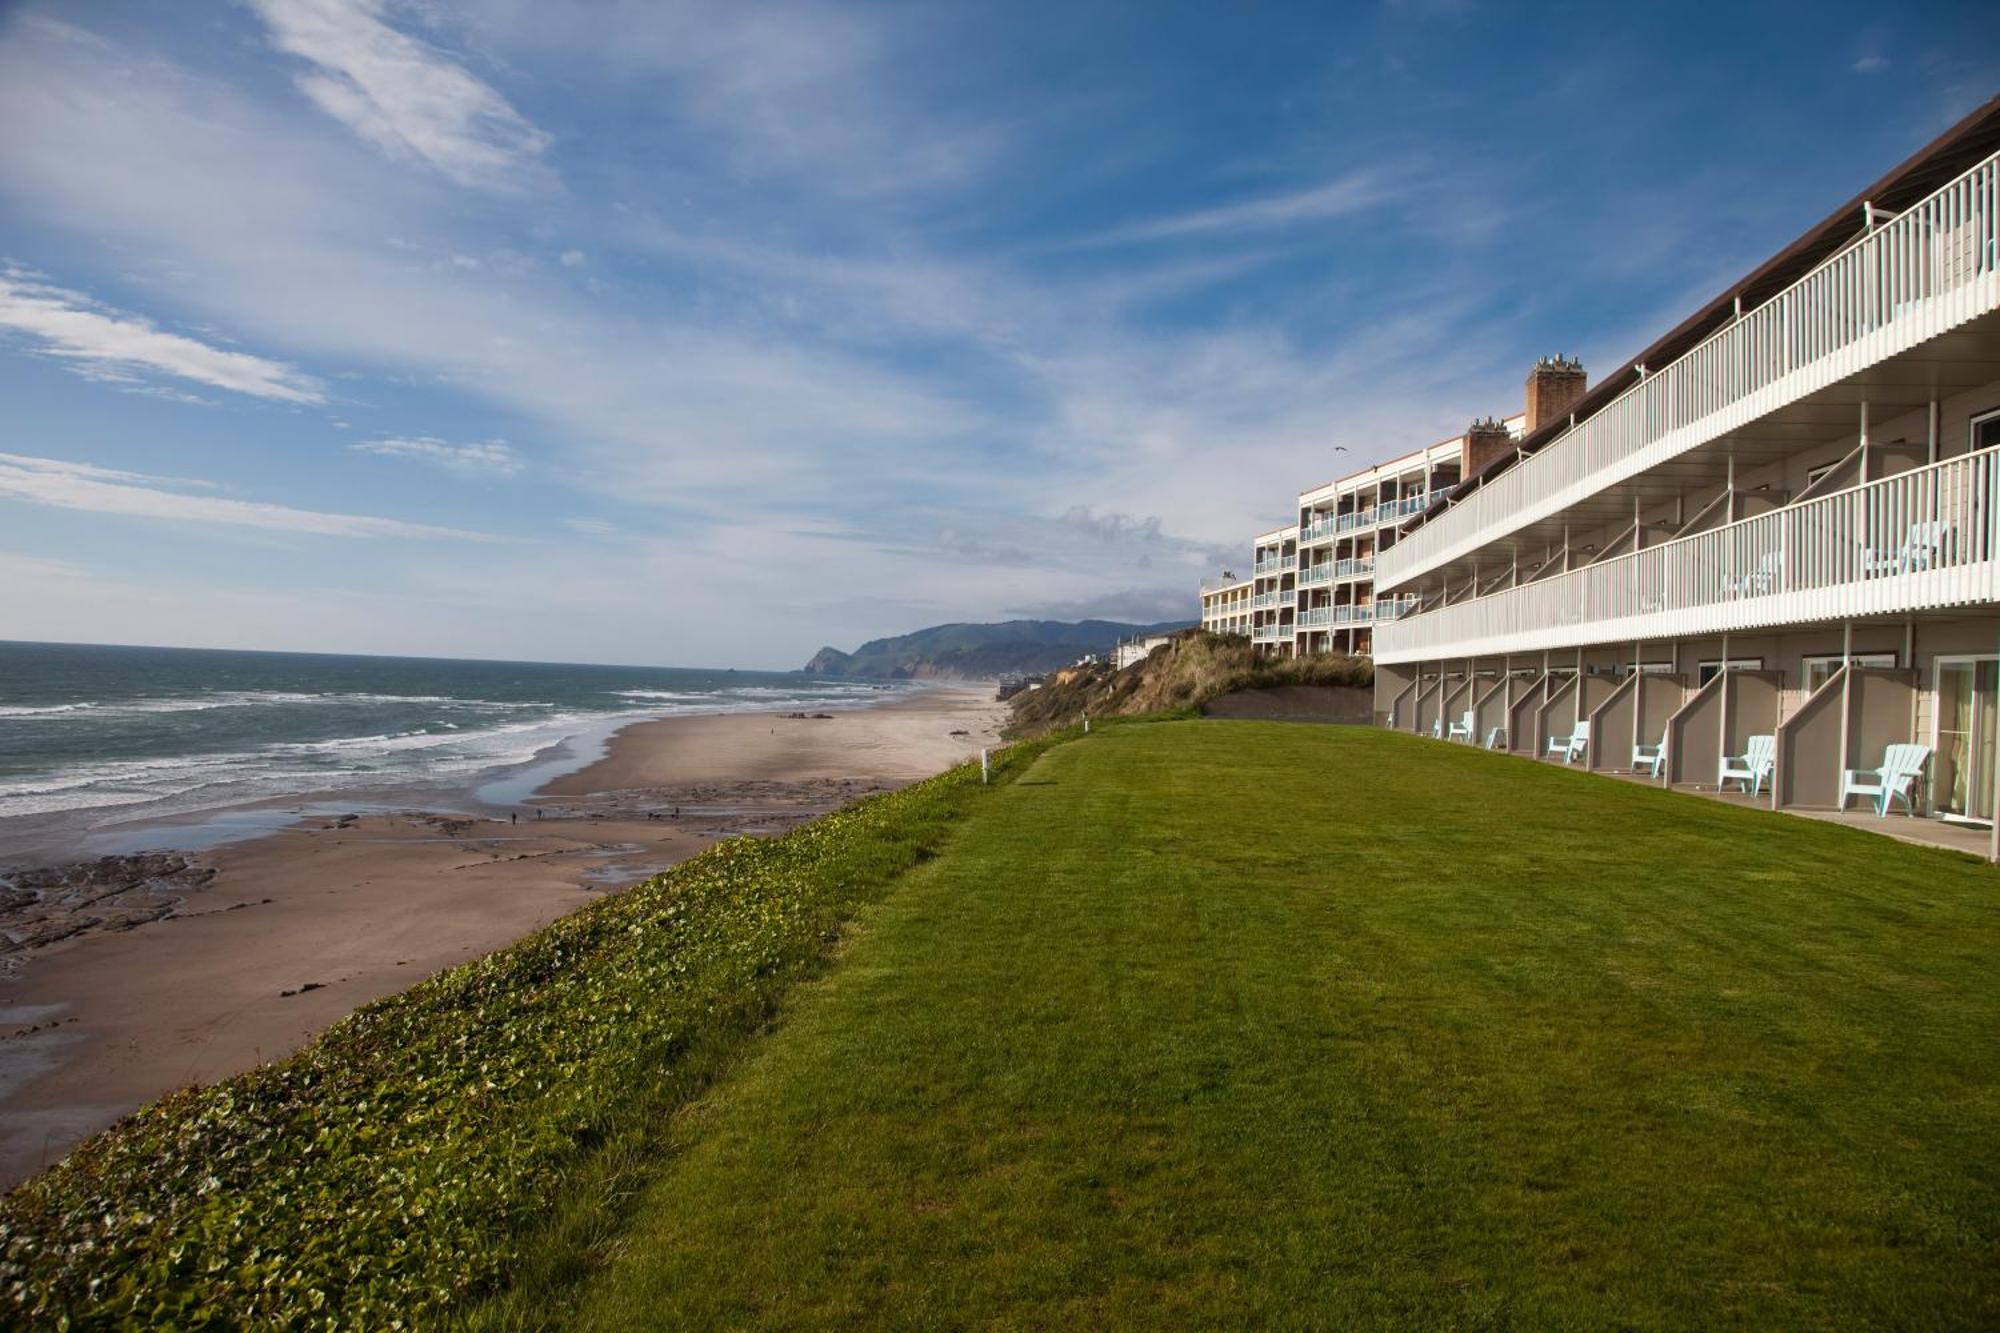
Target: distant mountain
[{"x": 979, "y": 652}]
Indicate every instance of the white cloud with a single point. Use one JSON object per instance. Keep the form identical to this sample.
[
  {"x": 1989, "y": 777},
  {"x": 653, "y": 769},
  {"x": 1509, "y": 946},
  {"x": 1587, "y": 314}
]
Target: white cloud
[
  {"x": 877, "y": 478},
  {"x": 780, "y": 89},
  {"x": 1353, "y": 193},
  {"x": 108, "y": 344},
  {"x": 84, "y": 486},
  {"x": 487, "y": 458},
  {"x": 287, "y": 241},
  {"x": 403, "y": 96},
  {"x": 572, "y": 259}
]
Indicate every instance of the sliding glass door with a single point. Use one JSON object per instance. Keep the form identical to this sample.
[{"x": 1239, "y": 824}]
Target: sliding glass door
[{"x": 1968, "y": 710}]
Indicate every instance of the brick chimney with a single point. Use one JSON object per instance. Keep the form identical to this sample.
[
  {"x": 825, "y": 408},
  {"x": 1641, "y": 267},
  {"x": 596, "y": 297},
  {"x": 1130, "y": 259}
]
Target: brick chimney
[
  {"x": 1555, "y": 386},
  {"x": 1485, "y": 440}
]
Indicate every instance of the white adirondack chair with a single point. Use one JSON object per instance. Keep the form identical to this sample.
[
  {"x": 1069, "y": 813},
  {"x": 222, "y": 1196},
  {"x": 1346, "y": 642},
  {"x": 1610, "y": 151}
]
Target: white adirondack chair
[
  {"x": 1925, "y": 546},
  {"x": 1571, "y": 747},
  {"x": 1437, "y": 727},
  {"x": 1650, "y": 759},
  {"x": 1496, "y": 738},
  {"x": 1752, "y": 768},
  {"x": 1902, "y": 768},
  {"x": 1461, "y": 730}
]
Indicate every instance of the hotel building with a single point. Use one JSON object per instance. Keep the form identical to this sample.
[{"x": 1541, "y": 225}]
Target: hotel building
[
  {"x": 1225, "y": 604},
  {"x": 1312, "y": 584},
  {"x": 1774, "y": 532}
]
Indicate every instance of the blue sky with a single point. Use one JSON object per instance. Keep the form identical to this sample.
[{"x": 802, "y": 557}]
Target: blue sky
[{"x": 639, "y": 332}]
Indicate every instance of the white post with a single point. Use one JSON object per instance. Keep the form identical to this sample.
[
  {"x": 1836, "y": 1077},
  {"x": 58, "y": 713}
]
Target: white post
[
  {"x": 1846, "y": 691},
  {"x": 985, "y": 766},
  {"x": 1086, "y": 724}
]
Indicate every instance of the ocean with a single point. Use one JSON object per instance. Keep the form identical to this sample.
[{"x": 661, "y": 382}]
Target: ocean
[{"x": 92, "y": 736}]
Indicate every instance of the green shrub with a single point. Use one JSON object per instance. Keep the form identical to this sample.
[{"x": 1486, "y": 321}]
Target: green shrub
[{"x": 391, "y": 1168}]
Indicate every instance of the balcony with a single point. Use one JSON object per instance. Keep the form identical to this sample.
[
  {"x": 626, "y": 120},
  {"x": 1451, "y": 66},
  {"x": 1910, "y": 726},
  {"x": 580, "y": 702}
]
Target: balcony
[
  {"x": 1927, "y": 271},
  {"x": 1271, "y": 634},
  {"x": 1282, "y": 566},
  {"x": 1920, "y": 540},
  {"x": 1390, "y": 510},
  {"x": 1313, "y": 575},
  {"x": 1317, "y": 618},
  {"x": 1319, "y": 530},
  {"x": 1353, "y": 569}
]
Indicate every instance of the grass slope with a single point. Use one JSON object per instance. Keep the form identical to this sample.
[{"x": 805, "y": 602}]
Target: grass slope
[
  {"x": 1237, "y": 1024},
  {"x": 492, "y": 1121}
]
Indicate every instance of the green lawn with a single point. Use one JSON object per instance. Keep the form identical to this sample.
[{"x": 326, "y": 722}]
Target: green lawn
[{"x": 1238, "y": 1023}]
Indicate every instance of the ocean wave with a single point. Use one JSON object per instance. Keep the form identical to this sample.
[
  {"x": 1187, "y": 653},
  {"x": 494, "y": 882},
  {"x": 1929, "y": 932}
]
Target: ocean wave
[
  {"x": 289, "y": 767},
  {"x": 451, "y": 739},
  {"x": 111, "y": 710}
]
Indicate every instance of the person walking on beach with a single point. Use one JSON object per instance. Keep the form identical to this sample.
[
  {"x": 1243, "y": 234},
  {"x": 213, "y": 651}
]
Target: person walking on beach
[{"x": 513, "y": 816}]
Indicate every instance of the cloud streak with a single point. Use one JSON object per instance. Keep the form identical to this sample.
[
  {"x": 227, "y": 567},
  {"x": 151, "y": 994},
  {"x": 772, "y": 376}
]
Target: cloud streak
[
  {"x": 485, "y": 458},
  {"x": 404, "y": 97},
  {"x": 102, "y": 343},
  {"x": 1356, "y": 192},
  {"x": 97, "y": 490}
]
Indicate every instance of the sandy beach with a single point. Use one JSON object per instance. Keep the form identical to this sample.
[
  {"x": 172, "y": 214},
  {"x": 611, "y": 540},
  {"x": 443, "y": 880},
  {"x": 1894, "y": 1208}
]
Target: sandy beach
[{"x": 296, "y": 929}]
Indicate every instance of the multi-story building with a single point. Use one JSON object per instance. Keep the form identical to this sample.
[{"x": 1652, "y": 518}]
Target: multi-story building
[
  {"x": 1225, "y": 604},
  {"x": 1344, "y": 524},
  {"x": 1312, "y": 588},
  {"x": 1274, "y": 590},
  {"x": 1779, "y": 522}
]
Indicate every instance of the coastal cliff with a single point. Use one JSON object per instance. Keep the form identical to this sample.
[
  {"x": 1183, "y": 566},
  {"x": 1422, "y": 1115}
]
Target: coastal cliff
[{"x": 1197, "y": 669}]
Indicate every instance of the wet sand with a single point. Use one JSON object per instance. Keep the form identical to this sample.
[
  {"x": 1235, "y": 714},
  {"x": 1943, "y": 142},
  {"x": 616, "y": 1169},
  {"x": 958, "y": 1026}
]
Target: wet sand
[{"x": 341, "y": 912}]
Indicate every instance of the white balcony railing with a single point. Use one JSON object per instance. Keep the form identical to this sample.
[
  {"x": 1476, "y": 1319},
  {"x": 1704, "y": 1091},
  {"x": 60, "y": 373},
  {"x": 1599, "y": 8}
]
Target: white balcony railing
[
  {"x": 1922, "y": 539},
  {"x": 1316, "y": 574},
  {"x": 1271, "y": 633},
  {"x": 1390, "y": 510},
  {"x": 1317, "y": 618},
  {"x": 1927, "y": 271},
  {"x": 1350, "y": 569},
  {"x": 1395, "y": 608}
]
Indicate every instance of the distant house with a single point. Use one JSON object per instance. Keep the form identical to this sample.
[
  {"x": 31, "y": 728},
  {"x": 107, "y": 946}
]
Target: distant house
[{"x": 1135, "y": 650}]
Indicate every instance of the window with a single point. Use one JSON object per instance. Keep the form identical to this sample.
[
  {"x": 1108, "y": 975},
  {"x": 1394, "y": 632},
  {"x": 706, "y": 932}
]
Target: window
[
  {"x": 1986, "y": 430},
  {"x": 1813, "y": 474},
  {"x": 1819, "y": 670},
  {"x": 1708, "y": 669}
]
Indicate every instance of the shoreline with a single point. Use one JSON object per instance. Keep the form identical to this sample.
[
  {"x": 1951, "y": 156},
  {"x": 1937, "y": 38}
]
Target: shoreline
[{"x": 301, "y": 925}]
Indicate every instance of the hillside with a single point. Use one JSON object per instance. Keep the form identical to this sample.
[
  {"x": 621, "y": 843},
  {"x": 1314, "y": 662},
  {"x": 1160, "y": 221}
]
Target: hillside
[
  {"x": 978, "y": 652},
  {"x": 1193, "y": 669}
]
